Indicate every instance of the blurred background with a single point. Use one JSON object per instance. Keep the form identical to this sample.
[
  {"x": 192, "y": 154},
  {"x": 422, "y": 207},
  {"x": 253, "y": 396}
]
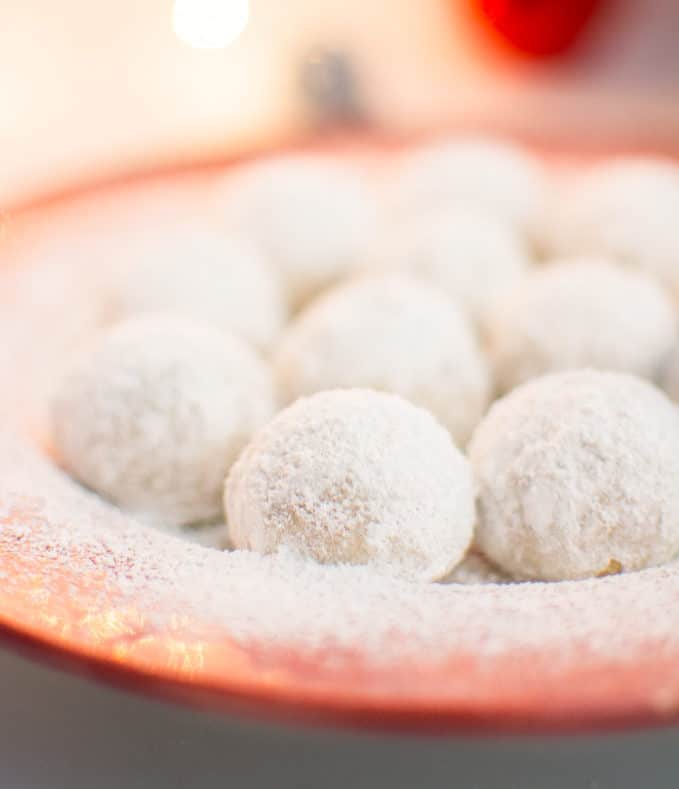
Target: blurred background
[{"x": 93, "y": 90}]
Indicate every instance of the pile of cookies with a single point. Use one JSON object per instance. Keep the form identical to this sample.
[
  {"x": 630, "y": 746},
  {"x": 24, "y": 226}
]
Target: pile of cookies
[{"x": 457, "y": 353}]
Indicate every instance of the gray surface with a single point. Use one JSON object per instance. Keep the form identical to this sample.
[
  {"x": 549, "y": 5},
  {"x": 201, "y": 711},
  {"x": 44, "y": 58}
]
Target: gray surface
[{"x": 58, "y": 731}]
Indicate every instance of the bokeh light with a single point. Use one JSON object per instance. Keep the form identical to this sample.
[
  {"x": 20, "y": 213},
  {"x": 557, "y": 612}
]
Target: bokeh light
[{"x": 209, "y": 24}]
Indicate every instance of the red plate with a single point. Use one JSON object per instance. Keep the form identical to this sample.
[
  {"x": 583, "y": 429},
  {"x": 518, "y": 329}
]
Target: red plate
[{"x": 85, "y": 616}]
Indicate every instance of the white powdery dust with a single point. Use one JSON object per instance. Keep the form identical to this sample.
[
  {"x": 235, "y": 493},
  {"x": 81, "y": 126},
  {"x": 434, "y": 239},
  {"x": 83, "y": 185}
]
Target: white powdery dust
[
  {"x": 625, "y": 209},
  {"x": 581, "y": 312},
  {"x": 279, "y": 602},
  {"x": 395, "y": 334},
  {"x": 491, "y": 175},
  {"x": 155, "y": 414},
  {"x": 577, "y": 476},
  {"x": 472, "y": 256},
  {"x": 313, "y": 217},
  {"x": 193, "y": 270},
  {"x": 358, "y": 477},
  {"x": 58, "y": 530}
]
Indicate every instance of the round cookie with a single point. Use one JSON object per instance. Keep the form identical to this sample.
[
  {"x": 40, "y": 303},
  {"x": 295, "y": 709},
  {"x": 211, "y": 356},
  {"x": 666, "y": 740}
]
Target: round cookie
[
  {"x": 471, "y": 256},
  {"x": 393, "y": 334},
  {"x": 625, "y": 209},
  {"x": 314, "y": 217},
  {"x": 490, "y": 175},
  {"x": 580, "y": 313},
  {"x": 155, "y": 414},
  {"x": 577, "y": 475},
  {"x": 195, "y": 271},
  {"x": 354, "y": 477}
]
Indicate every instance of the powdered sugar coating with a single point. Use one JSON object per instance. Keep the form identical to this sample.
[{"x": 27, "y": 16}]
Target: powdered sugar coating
[
  {"x": 313, "y": 216},
  {"x": 77, "y": 555},
  {"x": 471, "y": 256},
  {"x": 193, "y": 270},
  {"x": 393, "y": 334},
  {"x": 354, "y": 477},
  {"x": 625, "y": 209},
  {"x": 580, "y": 313},
  {"x": 492, "y": 175},
  {"x": 155, "y": 414},
  {"x": 577, "y": 476}
]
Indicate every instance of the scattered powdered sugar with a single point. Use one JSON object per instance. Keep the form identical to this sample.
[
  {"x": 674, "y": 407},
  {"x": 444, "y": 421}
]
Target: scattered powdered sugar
[
  {"x": 50, "y": 530},
  {"x": 64, "y": 550}
]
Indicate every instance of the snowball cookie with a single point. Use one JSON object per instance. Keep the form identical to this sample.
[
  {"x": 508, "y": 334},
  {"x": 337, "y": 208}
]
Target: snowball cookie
[
  {"x": 580, "y": 313},
  {"x": 577, "y": 476},
  {"x": 354, "y": 477},
  {"x": 393, "y": 334},
  {"x": 625, "y": 209},
  {"x": 471, "y": 256},
  {"x": 493, "y": 175},
  {"x": 153, "y": 417},
  {"x": 313, "y": 216},
  {"x": 196, "y": 271}
]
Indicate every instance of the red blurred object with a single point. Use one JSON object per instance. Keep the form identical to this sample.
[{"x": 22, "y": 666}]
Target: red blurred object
[{"x": 539, "y": 27}]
